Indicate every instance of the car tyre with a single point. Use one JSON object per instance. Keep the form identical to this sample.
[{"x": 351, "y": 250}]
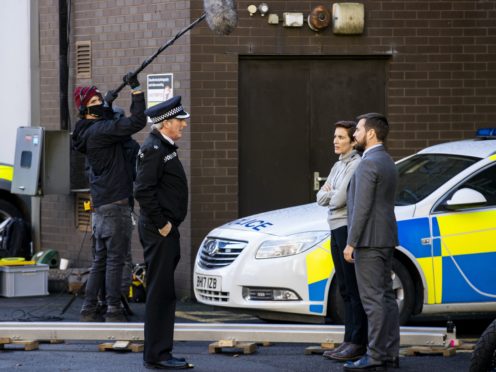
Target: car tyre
[
  {"x": 402, "y": 286},
  {"x": 7, "y": 210},
  {"x": 404, "y": 291},
  {"x": 484, "y": 355}
]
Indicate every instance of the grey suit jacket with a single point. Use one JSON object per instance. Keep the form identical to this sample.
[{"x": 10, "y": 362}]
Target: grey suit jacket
[{"x": 370, "y": 200}]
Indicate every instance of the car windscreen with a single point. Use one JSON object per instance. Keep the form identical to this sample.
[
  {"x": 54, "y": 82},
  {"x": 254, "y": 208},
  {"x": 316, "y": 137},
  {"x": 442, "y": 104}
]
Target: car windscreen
[{"x": 421, "y": 174}]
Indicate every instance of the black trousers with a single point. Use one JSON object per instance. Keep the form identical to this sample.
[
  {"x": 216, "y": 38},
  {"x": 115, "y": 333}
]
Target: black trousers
[
  {"x": 355, "y": 319},
  {"x": 161, "y": 257}
]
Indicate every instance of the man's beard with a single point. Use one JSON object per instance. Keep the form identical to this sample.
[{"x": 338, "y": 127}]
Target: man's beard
[{"x": 360, "y": 146}]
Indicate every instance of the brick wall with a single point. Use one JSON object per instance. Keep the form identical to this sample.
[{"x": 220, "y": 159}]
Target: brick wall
[
  {"x": 123, "y": 33},
  {"x": 442, "y": 81}
]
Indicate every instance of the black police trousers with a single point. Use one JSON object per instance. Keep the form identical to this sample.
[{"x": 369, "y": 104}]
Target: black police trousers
[{"x": 161, "y": 255}]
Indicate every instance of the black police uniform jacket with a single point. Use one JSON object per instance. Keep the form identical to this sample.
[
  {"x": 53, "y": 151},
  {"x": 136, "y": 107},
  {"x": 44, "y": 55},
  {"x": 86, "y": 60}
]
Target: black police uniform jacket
[
  {"x": 103, "y": 141},
  {"x": 161, "y": 187}
]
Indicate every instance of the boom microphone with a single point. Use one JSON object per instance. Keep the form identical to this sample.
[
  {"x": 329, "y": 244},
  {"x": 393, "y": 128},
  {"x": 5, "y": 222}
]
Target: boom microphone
[
  {"x": 221, "y": 15},
  {"x": 221, "y": 18}
]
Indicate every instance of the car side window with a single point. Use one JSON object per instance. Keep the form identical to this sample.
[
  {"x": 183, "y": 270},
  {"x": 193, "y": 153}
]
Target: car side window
[
  {"x": 422, "y": 174},
  {"x": 483, "y": 182}
]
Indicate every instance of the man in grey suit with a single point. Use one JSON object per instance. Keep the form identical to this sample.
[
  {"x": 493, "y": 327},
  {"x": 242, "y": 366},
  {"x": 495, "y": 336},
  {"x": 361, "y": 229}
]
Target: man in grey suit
[{"x": 372, "y": 237}]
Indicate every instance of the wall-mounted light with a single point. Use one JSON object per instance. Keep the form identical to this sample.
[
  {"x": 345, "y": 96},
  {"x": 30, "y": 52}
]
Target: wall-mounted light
[
  {"x": 263, "y": 8},
  {"x": 252, "y": 9}
]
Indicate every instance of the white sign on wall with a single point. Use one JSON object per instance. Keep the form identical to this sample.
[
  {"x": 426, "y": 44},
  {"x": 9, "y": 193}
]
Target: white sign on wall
[{"x": 159, "y": 88}]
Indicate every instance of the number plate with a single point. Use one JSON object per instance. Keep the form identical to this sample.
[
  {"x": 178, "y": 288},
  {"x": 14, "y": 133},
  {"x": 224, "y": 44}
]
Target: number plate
[{"x": 210, "y": 283}]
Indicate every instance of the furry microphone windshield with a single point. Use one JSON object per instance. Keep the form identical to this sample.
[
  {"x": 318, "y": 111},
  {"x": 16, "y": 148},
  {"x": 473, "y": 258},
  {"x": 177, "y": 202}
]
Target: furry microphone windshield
[
  {"x": 221, "y": 15},
  {"x": 222, "y": 19}
]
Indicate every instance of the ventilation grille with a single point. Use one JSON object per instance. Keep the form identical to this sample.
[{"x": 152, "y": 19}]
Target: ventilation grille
[
  {"x": 216, "y": 253},
  {"x": 83, "y": 59},
  {"x": 213, "y": 296},
  {"x": 83, "y": 217}
]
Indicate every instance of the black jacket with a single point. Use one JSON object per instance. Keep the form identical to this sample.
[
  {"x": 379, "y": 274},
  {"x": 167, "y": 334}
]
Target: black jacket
[
  {"x": 102, "y": 142},
  {"x": 161, "y": 187}
]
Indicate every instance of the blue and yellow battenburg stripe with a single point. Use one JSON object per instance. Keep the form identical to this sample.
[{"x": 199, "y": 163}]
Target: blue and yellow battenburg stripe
[
  {"x": 464, "y": 250},
  {"x": 467, "y": 245},
  {"x": 6, "y": 172},
  {"x": 319, "y": 267},
  {"x": 468, "y": 238},
  {"x": 410, "y": 234},
  {"x": 465, "y": 238}
]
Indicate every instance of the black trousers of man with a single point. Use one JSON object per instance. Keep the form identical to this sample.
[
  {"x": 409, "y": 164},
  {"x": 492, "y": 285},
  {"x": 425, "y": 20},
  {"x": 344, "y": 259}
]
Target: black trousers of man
[{"x": 161, "y": 255}]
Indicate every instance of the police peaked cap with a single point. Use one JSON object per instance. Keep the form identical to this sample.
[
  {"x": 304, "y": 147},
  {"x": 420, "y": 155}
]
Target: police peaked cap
[{"x": 169, "y": 109}]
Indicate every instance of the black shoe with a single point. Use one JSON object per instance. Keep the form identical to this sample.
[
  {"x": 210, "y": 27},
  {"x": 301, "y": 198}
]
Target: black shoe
[
  {"x": 169, "y": 355},
  {"x": 172, "y": 363},
  {"x": 366, "y": 363},
  {"x": 394, "y": 362},
  {"x": 115, "y": 317},
  {"x": 350, "y": 352},
  {"x": 101, "y": 308},
  {"x": 327, "y": 354},
  {"x": 178, "y": 358},
  {"x": 90, "y": 316}
]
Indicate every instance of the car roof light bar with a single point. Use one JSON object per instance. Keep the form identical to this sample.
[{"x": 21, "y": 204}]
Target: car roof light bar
[{"x": 486, "y": 133}]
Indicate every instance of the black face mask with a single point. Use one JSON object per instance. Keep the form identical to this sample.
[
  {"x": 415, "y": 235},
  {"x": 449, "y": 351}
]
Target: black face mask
[
  {"x": 97, "y": 110},
  {"x": 108, "y": 112}
]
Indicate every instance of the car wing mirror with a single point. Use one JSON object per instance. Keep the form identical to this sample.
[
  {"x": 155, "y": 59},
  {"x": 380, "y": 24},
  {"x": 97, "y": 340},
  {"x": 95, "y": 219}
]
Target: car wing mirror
[{"x": 465, "y": 198}]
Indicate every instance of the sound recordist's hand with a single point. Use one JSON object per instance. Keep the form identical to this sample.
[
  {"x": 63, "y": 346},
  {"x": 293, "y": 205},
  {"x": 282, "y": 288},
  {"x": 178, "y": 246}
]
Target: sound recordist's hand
[
  {"x": 110, "y": 97},
  {"x": 132, "y": 80},
  {"x": 164, "y": 231}
]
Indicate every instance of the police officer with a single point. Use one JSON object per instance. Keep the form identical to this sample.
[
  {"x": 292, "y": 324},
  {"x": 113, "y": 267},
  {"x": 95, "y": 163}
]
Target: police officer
[{"x": 162, "y": 192}]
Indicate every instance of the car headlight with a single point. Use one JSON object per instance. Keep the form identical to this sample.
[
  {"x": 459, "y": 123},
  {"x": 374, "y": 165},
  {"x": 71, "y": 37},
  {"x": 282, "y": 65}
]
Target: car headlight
[{"x": 291, "y": 245}]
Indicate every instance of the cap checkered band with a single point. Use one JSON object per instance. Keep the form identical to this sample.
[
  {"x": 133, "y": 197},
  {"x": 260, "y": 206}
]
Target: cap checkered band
[{"x": 167, "y": 115}]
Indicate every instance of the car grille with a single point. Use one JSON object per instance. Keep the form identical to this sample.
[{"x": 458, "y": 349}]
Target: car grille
[
  {"x": 213, "y": 296},
  {"x": 215, "y": 253}
]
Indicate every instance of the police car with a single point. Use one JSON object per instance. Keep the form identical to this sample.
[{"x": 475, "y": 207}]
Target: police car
[{"x": 278, "y": 264}]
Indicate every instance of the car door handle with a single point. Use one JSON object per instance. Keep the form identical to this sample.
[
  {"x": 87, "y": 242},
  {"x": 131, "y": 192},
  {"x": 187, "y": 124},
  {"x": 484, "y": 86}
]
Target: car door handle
[{"x": 317, "y": 180}]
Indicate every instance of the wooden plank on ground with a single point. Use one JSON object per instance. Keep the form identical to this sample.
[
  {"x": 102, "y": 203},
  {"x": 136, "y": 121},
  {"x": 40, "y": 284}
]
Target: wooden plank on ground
[
  {"x": 325, "y": 346},
  {"x": 121, "y": 346},
  {"x": 429, "y": 350},
  {"x": 27, "y": 345},
  {"x": 246, "y": 347}
]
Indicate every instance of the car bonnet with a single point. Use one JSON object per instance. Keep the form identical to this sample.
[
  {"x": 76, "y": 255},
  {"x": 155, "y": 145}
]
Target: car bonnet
[{"x": 282, "y": 222}]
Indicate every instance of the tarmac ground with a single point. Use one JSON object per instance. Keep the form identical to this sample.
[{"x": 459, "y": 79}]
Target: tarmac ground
[{"x": 85, "y": 355}]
